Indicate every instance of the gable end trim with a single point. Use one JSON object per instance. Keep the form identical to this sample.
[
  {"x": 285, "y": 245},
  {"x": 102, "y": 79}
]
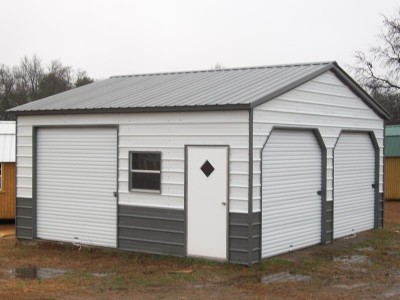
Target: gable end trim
[{"x": 343, "y": 77}]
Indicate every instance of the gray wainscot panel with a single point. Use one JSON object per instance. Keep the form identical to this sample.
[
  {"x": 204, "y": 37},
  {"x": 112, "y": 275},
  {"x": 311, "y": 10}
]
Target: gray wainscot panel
[
  {"x": 329, "y": 222},
  {"x": 381, "y": 206},
  {"x": 24, "y": 219},
  {"x": 151, "y": 230},
  {"x": 239, "y": 242}
]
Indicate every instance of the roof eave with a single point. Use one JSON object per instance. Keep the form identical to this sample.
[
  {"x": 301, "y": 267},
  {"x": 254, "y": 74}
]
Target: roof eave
[{"x": 193, "y": 108}]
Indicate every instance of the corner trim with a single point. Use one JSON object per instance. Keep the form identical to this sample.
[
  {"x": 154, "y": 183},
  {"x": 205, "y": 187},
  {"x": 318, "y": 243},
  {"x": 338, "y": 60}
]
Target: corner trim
[
  {"x": 250, "y": 200},
  {"x": 376, "y": 190},
  {"x": 16, "y": 173},
  {"x": 34, "y": 182}
]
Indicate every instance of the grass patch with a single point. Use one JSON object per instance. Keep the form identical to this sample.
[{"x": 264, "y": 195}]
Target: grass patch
[
  {"x": 150, "y": 276},
  {"x": 275, "y": 265}
]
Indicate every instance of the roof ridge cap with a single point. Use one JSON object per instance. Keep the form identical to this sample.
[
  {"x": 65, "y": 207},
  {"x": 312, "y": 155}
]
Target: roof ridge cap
[{"x": 227, "y": 69}]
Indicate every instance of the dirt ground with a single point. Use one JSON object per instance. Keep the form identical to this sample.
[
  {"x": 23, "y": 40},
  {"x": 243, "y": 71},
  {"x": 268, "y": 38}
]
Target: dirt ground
[
  {"x": 392, "y": 212},
  {"x": 366, "y": 266}
]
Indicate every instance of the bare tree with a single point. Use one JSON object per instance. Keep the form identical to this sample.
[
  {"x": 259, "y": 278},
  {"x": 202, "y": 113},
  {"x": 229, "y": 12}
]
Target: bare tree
[
  {"x": 378, "y": 71},
  {"x": 7, "y": 82},
  {"x": 28, "y": 76},
  {"x": 380, "y": 68}
]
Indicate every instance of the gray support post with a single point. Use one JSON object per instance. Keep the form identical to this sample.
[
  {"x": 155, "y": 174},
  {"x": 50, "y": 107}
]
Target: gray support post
[{"x": 250, "y": 203}]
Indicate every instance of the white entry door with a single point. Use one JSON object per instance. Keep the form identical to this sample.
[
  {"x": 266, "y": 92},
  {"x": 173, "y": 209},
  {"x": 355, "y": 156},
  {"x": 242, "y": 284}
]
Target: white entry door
[{"x": 207, "y": 201}]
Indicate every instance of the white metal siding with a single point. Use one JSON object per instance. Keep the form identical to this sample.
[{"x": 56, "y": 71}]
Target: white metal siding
[
  {"x": 165, "y": 132},
  {"x": 76, "y": 178},
  {"x": 324, "y": 103},
  {"x": 291, "y": 178},
  {"x": 354, "y": 164}
]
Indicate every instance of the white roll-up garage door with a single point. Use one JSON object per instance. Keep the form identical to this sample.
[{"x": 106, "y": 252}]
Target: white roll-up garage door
[
  {"x": 291, "y": 179},
  {"x": 76, "y": 178},
  {"x": 354, "y": 175}
]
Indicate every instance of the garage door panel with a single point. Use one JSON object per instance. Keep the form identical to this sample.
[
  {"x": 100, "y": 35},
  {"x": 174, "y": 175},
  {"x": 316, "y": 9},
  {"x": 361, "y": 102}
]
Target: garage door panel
[
  {"x": 354, "y": 173},
  {"x": 76, "y": 178},
  {"x": 291, "y": 177}
]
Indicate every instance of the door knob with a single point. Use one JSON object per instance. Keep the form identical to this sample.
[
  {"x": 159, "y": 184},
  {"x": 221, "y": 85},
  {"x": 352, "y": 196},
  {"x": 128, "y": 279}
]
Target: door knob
[
  {"x": 115, "y": 194},
  {"x": 319, "y": 192},
  {"x": 373, "y": 185},
  {"x": 223, "y": 203}
]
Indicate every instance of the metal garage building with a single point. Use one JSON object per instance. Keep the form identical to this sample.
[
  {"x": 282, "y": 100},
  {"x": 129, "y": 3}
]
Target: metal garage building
[{"x": 235, "y": 164}]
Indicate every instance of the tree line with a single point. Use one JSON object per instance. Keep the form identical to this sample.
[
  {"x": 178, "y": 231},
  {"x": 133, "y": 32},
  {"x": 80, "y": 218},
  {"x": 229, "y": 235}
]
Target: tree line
[
  {"x": 30, "y": 81},
  {"x": 377, "y": 71}
]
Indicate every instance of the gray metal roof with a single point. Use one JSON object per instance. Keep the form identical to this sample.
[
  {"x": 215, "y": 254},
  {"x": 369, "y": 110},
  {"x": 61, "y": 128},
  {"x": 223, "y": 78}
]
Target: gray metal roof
[
  {"x": 239, "y": 88},
  {"x": 7, "y": 141}
]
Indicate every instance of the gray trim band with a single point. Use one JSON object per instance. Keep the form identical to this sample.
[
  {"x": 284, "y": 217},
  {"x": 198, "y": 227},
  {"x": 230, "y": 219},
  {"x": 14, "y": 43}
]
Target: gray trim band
[
  {"x": 378, "y": 219},
  {"x": 250, "y": 202},
  {"x": 34, "y": 182},
  {"x": 193, "y": 108}
]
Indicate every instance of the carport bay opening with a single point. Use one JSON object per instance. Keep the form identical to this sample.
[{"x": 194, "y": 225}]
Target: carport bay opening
[{"x": 324, "y": 101}]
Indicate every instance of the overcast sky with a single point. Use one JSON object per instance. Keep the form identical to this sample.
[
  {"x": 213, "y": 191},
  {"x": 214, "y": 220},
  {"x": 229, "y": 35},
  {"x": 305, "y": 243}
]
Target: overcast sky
[{"x": 129, "y": 37}]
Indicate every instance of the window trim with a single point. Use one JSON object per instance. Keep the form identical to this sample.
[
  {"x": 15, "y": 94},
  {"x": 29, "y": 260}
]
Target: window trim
[{"x": 130, "y": 170}]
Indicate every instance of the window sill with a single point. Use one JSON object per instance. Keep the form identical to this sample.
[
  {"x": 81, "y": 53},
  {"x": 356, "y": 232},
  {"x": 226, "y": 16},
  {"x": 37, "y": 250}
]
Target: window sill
[{"x": 145, "y": 191}]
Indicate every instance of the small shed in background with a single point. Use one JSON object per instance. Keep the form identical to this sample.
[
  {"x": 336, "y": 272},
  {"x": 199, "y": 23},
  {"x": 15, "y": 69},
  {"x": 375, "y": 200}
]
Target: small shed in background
[
  {"x": 7, "y": 170},
  {"x": 392, "y": 162}
]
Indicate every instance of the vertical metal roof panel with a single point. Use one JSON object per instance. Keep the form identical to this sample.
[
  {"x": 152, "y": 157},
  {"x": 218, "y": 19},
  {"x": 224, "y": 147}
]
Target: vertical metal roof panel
[
  {"x": 238, "y": 88},
  {"x": 198, "y": 88}
]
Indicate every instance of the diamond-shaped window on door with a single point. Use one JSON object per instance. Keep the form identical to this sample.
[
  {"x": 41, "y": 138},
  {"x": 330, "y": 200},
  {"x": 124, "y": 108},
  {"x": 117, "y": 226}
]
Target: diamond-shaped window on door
[{"x": 207, "y": 168}]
